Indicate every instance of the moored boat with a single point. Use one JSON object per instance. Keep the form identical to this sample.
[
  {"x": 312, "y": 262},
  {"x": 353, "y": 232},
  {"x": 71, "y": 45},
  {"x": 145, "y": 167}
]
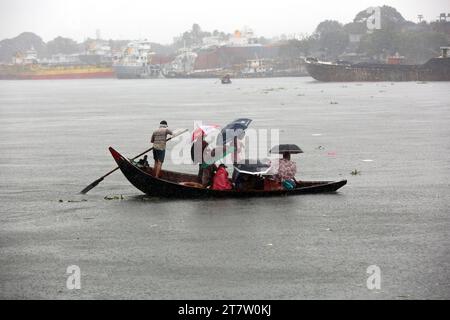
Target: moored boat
[
  {"x": 38, "y": 72},
  {"x": 182, "y": 185},
  {"x": 435, "y": 69},
  {"x": 137, "y": 62},
  {"x": 27, "y": 66}
]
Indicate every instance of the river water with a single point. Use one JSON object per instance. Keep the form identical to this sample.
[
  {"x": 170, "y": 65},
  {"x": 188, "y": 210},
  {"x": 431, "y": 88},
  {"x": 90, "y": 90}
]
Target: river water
[{"x": 394, "y": 214}]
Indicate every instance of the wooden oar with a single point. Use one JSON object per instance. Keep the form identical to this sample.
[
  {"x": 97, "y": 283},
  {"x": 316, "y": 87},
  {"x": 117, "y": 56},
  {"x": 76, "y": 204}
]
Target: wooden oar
[{"x": 96, "y": 182}]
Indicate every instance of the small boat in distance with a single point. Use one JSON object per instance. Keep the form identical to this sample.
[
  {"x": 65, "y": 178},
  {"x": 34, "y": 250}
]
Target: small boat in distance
[
  {"x": 182, "y": 185},
  {"x": 226, "y": 79}
]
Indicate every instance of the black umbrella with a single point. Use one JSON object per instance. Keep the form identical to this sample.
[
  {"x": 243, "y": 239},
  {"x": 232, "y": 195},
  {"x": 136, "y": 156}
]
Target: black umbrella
[
  {"x": 233, "y": 129},
  {"x": 253, "y": 167},
  {"x": 289, "y": 148}
]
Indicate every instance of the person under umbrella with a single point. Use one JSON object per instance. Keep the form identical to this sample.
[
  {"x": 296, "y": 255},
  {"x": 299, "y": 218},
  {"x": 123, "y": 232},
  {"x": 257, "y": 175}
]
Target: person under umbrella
[
  {"x": 204, "y": 130},
  {"x": 287, "y": 169},
  {"x": 234, "y": 133},
  {"x": 200, "y": 153}
]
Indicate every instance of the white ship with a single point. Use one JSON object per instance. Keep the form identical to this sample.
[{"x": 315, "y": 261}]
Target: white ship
[
  {"x": 182, "y": 65},
  {"x": 257, "y": 68},
  {"x": 136, "y": 62}
]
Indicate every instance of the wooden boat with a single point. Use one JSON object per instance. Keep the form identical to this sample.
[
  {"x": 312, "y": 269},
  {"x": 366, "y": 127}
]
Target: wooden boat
[
  {"x": 226, "y": 80},
  {"x": 435, "y": 69},
  {"x": 181, "y": 185}
]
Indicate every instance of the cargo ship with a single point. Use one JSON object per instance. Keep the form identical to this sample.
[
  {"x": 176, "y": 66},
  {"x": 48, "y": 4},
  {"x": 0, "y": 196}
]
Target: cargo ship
[
  {"x": 257, "y": 68},
  {"x": 28, "y": 67},
  {"x": 41, "y": 72},
  {"x": 435, "y": 69},
  {"x": 137, "y": 62},
  {"x": 182, "y": 65}
]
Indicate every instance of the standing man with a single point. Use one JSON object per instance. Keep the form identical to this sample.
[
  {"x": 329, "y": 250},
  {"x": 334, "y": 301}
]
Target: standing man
[{"x": 159, "y": 138}]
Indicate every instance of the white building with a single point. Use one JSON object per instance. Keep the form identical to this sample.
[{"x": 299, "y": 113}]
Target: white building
[
  {"x": 242, "y": 38},
  {"x": 29, "y": 57}
]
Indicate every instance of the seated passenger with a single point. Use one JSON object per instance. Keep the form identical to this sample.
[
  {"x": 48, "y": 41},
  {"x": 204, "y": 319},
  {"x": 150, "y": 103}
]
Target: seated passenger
[
  {"x": 242, "y": 182},
  {"x": 143, "y": 162},
  {"x": 247, "y": 182},
  {"x": 220, "y": 180},
  {"x": 286, "y": 171}
]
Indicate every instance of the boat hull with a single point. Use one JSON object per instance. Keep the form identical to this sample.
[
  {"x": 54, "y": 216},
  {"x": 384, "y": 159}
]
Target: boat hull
[
  {"x": 137, "y": 72},
  {"x": 49, "y": 73},
  {"x": 169, "y": 185},
  {"x": 437, "y": 69}
]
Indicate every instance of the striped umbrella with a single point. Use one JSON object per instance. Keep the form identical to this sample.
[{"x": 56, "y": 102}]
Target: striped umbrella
[{"x": 204, "y": 130}]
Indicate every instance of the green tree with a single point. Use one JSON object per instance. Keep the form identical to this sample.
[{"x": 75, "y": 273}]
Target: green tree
[
  {"x": 62, "y": 45},
  {"x": 332, "y": 38},
  {"x": 419, "y": 47},
  {"x": 391, "y": 19},
  {"x": 416, "y": 46},
  {"x": 379, "y": 42},
  {"x": 296, "y": 48}
]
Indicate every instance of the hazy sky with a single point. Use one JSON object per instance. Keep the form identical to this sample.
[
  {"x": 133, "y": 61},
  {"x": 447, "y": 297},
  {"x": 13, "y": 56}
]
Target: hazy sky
[{"x": 161, "y": 20}]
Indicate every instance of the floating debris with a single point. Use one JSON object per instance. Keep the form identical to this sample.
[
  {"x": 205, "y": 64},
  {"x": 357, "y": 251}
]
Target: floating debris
[
  {"x": 115, "y": 197},
  {"x": 355, "y": 172},
  {"x": 328, "y": 229},
  {"x": 82, "y": 200},
  {"x": 320, "y": 148},
  {"x": 332, "y": 153},
  {"x": 316, "y": 134},
  {"x": 272, "y": 89},
  {"x": 334, "y": 102},
  {"x": 367, "y": 160}
]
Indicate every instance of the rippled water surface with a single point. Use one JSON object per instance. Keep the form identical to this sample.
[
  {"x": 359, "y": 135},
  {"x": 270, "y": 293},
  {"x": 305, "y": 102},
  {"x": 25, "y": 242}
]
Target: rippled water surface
[{"x": 54, "y": 137}]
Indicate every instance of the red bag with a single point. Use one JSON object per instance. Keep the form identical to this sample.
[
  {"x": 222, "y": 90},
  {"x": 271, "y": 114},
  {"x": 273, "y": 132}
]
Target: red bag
[
  {"x": 221, "y": 181},
  {"x": 270, "y": 184}
]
